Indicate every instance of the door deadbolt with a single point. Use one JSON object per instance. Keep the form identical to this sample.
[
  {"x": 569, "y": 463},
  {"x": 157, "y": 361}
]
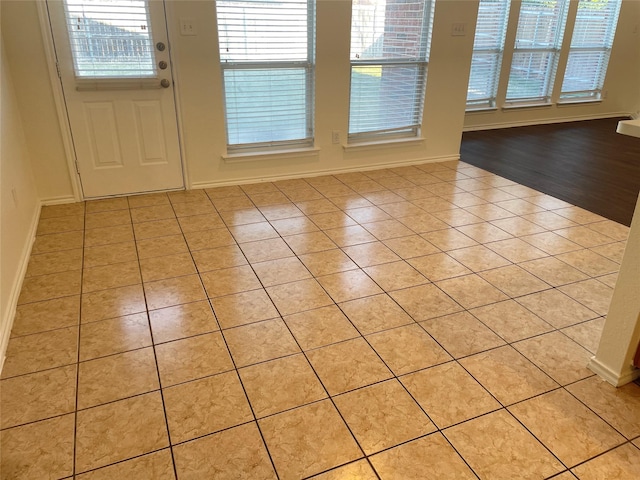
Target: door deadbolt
[
  {"x": 164, "y": 83},
  {"x": 160, "y": 46},
  {"x": 162, "y": 65}
]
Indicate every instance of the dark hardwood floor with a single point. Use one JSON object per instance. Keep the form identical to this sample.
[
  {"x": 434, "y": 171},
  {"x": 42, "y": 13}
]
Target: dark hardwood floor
[{"x": 585, "y": 163}]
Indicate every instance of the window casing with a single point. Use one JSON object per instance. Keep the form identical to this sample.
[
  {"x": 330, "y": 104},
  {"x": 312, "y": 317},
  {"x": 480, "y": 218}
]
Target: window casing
[
  {"x": 536, "y": 52},
  {"x": 267, "y": 56},
  {"x": 390, "y": 42},
  {"x": 591, "y": 43},
  {"x": 488, "y": 49}
]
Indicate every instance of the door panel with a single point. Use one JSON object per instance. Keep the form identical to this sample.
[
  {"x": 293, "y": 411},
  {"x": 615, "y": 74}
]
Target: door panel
[
  {"x": 119, "y": 99},
  {"x": 102, "y": 134},
  {"x": 150, "y": 135}
]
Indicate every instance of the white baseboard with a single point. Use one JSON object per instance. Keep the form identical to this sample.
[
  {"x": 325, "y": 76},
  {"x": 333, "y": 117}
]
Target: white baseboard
[
  {"x": 610, "y": 375},
  {"x": 546, "y": 121},
  {"x": 316, "y": 173},
  {"x": 58, "y": 200},
  {"x": 10, "y": 313}
]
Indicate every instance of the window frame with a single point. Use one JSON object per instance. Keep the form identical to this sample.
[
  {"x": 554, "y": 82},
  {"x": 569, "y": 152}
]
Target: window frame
[
  {"x": 595, "y": 94},
  {"x": 405, "y": 132},
  {"x": 554, "y": 50},
  {"x": 309, "y": 67}
]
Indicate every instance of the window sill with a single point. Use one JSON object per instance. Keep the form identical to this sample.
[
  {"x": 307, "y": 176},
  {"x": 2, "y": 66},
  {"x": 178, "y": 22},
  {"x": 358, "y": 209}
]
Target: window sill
[
  {"x": 564, "y": 103},
  {"x": 481, "y": 110},
  {"x": 399, "y": 142},
  {"x": 526, "y": 105},
  {"x": 270, "y": 155}
]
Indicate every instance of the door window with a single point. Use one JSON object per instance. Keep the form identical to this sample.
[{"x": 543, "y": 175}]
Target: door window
[{"x": 110, "y": 39}]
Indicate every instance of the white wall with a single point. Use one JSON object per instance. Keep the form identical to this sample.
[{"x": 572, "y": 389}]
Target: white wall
[
  {"x": 26, "y": 58},
  {"x": 19, "y": 213},
  {"x": 622, "y": 83}
]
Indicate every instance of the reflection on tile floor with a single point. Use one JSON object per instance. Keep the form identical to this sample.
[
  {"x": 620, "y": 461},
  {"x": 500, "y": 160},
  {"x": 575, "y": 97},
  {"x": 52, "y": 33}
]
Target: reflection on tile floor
[{"x": 432, "y": 321}]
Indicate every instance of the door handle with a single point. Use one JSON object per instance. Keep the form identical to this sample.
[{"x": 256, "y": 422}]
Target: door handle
[
  {"x": 160, "y": 46},
  {"x": 164, "y": 83},
  {"x": 162, "y": 65}
]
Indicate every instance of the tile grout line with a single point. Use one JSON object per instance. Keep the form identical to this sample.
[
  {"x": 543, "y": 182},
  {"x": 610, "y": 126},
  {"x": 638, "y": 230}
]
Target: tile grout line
[{"x": 78, "y": 343}]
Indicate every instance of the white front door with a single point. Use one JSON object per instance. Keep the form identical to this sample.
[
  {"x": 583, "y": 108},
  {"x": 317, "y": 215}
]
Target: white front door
[{"x": 114, "y": 64}]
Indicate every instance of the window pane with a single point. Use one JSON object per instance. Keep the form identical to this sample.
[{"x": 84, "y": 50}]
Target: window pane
[
  {"x": 263, "y": 30},
  {"x": 110, "y": 39},
  {"x": 491, "y": 24},
  {"x": 266, "y": 105},
  {"x": 595, "y": 23},
  {"x": 483, "y": 79},
  {"x": 530, "y": 72},
  {"x": 388, "y": 29},
  {"x": 385, "y": 98},
  {"x": 389, "y": 50},
  {"x": 590, "y": 47},
  {"x": 541, "y": 24},
  {"x": 584, "y": 75}
]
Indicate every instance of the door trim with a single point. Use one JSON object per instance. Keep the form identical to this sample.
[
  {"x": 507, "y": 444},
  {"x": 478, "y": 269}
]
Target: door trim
[
  {"x": 58, "y": 97},
  {"x": 61, "y": 107},
  {"x": 172, "y": 33}
]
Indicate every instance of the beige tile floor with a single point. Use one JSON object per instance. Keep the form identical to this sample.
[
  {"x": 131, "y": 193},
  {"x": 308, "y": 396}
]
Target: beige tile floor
[{"x": 419, "y": 322}]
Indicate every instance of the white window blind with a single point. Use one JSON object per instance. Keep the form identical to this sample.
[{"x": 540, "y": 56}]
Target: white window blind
[
  {"x": 591, "y": 44},
  {"x": 488, "y": 47},
  {"x": 110, "y": 38},
  {"x": 389, "y": 52},
  {"x": 267, "y": 59},
  {"x": 535, "y": 56}
]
